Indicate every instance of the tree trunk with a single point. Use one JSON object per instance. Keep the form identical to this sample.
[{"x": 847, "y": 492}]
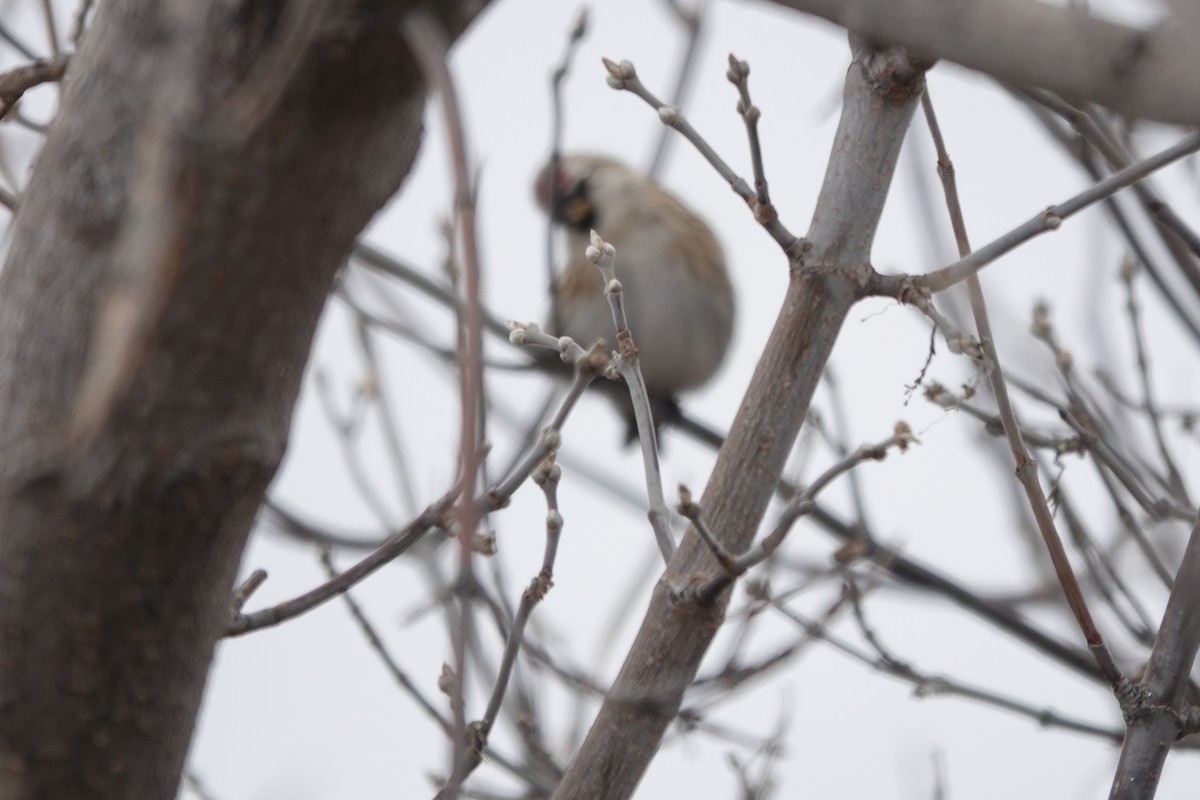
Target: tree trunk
[{"x": 206, "y": 174}]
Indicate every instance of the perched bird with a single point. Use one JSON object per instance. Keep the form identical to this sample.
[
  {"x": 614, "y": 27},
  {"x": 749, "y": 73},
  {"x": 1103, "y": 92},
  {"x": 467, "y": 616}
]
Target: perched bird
[{"x": 678, "y": 299}]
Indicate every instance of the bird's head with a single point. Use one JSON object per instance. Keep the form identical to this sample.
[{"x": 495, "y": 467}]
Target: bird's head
[{"x": 577, "y": 187}]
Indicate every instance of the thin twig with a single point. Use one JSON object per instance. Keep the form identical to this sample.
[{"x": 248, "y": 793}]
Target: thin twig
[
  {"x": 1088, "y": 124},
  {"x": 910, "y": 572},
  {"x": 1133, "y": 239},
  {"x": 925, "y": 685},
  {"x": 801, "y": 504},
  {"x": 589, "y": 364},
  {"x": 602, "y": 255},
  {"x": 1174, "y": 477},
  {"x": 739, "y": 75},
  {"x": 348, "y": 426},
  {"x": 690, "y": 510},
  {"x": 1048, "y": 220},
  {"x": 1081, "y": 413},
  {"x": 248, "y": 587},
  {"x": 376, "y": 642},
  {"x": 957, "y": 340},
  {"x": 623, "y": 76},
  {"x": 1130, "y": 524},
  {"x": 574, "y": 38},
  {"x": 388, "y": 419},
  {"x": 1157, "y": 507},
  {"x": 396, "y": 545},
  {"x": 435, "y": 516},
  {"x": 1026, "y": 467},
  {"x": 839, "y": 440},
  {"x": 81, "y": 15},
  {"x": 51, "y": 26},
  {"x": 429, "y": 44},
  {"x": 407, "y": 684},
  {"x": 288, "y": 523},
  {"x": 692, "y": 18},
  {"x": 1186, "y": 416},
  {"x": 854, "y": 594},
  {"x": 1103, "y": 573},
  {"x": 16, "y": 43},
  {"x": 378, "y": 260},
  {"x": 768, "y": 755},
  {"x": 942, "y": 397},
  {"x": 546, "y": 477}
]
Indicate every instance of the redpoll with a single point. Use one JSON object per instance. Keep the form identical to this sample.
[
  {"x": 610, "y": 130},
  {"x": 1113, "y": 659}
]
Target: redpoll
[{"x": 677, "y": 295}]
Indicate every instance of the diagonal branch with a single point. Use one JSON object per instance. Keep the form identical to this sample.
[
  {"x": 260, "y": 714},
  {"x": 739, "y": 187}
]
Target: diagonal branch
[{"x": 827, "y": 275}]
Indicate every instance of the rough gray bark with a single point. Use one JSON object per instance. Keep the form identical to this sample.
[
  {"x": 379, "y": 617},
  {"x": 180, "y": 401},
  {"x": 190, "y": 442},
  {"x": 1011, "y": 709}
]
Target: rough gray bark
[
  {"x": 827, "y": 275},
  {"x": 126, "y": 494}
]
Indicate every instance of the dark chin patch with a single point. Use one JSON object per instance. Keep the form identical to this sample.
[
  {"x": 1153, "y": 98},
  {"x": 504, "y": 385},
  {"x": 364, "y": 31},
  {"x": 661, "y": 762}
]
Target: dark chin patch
[
  {"x": 574, "y": 210},
  {"x": 579, "y": 214}
]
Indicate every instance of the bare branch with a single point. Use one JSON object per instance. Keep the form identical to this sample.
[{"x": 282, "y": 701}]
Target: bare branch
[
  {"x": 944, "y": 398},
  {"x": 574, "y": 37},
  {"x": 1048, "y": 220},
  {"x": 1175, "y": 478},
  {"x": 429, "y": 43},
  {"x": 602, "y": 254},
  {"x": 1026, "y": 466},
  {"x": 1139, "y": 72},
  {"x": 546, "y": 477},
  {"x": 739, "y": 75},
  {"x": 81, "y": 18},
  {"x": 692, "y": 19},
  {"x": 16, "y": 82},
  {"x": 825, "y": 280},
  {"x": 378, "y": 391},
  {"x": 376, "y": 643},
  {"x": 376, "y": 259},
  {"x": 1172, "y": 237},
  {"x": 248, "y": 587},
  {"x": 391, "y": 549},
  {"x": 910, "y": 572},
  {"x": 926, "y": 685},
  {"x": 623, "y": 76},
  {"x": 800, "y": 505},
  {"x": 18, "y": 44}
]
